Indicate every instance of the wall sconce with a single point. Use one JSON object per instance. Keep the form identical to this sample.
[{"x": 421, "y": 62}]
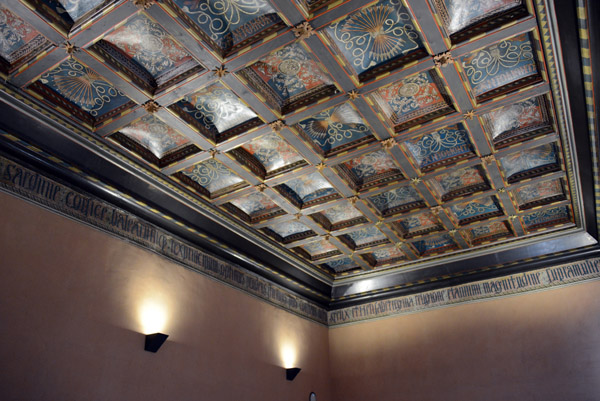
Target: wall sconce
[
  {"x": 154, "y": 341},
  {"x": 291, "y": 373}
]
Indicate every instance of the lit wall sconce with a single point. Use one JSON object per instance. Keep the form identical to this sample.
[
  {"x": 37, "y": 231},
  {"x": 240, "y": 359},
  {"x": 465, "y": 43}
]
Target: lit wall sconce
[
  {"x": 154, "y": 341},
  {"x": 291, "y": 373}
]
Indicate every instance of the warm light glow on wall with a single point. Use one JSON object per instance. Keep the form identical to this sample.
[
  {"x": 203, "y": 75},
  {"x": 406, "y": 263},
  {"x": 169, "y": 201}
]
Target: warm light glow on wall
[
  {"x": 152, "y": 316},
  {"x": 288, "y": 355}
]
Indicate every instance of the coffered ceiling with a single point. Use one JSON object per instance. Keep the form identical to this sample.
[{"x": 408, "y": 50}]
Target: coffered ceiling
[{"x": 362, "y": 145}]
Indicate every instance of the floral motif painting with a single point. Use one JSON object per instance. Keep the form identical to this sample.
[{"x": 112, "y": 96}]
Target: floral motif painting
[
  {"x": 143, "y": 43},
  {"x": 531, "y": 162},
  {"x": 216, "y": 112},
  {"x": 339, "y": 216},
  {"x": 547, "y": 218},
  {"x": 384, "y": 256},
  {"x": 377, "y": 38},
  {"x": 518, "y": 121},
  {"x": 213, "y": 176},
  {"x": 488, "y": 232},
  {"x": 18, "y": 40},
  {"x": 268, "y": 156},
  {"x": 319, "y": 249},
  {"x": 502, "y": 67},
  {"x": 440, "y": 148},
  {"x": 370, "y": 170},
  {"x": 364, "y": 238},
  {"x": 476, "y": 210},
  {"x": 290, "y": 231},
  {"x": 341, "y": 265},
  {"x": 434, "y": 245},
  {"x": 413, "y": 100},
  {"x": 466, "y": 18},
  {"x": 539, "y": 193},
  {"x": 229, "y": 25},
  {"x": 308, "y": 190},
  {"x": 397, "y": 200},
  {"x": 84, "y": 88},
  {"x": 417, "y": 224},
  {"x": 458, "y": 182},
  {"x": 155, "y": 135},
  {"x": 335, "y": 130},
  {"x": 255, "y": 207},
  {"x": 289, "y": 78}
]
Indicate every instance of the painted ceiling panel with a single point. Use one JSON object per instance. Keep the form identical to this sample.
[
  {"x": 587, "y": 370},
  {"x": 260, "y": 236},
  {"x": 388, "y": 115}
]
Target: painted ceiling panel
[
  {"x": 502, "y": 67},
  {"x": 413, "y": 100},
  {"x": 155, "y": 141},
  {"x": 229, "y": 26},
  {"x": 376, "y": 39},
  {"x": 19, "y": 41},
  {"x": 289, "y": 78}
]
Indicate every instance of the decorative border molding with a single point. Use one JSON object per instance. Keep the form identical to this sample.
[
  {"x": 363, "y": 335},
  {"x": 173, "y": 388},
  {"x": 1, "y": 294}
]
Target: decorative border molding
[{"x": 513, "y": 284}]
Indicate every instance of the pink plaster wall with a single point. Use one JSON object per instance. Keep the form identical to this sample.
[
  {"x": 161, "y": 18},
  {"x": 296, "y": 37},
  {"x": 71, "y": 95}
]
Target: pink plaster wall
[
  {"x": 70, "y": 331},
  {"x": 539, "y": 346}
]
